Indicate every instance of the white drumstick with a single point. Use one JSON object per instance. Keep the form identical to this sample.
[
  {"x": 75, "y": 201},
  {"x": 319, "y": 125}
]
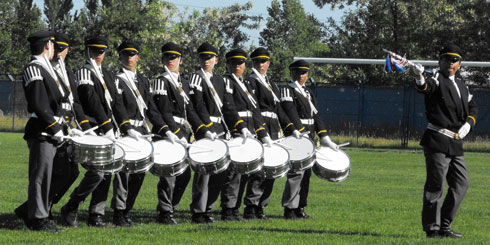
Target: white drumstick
[
  {"x": 324, "y": 156},
  {"x": 285, "y": 146},
  {"x": 201, "y": 147},
  {"x": 344, "y": 144},
  {"x": 52, "y": 136},
  {"x": 90, "y": 130}
]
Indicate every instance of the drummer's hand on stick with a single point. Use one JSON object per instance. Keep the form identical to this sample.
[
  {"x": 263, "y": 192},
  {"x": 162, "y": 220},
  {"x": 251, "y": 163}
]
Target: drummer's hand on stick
[
  {"x": 135, "y": 134},
  {"x": 267, "y": 140},
  {"x": 326, "y": 141},
  {"x": 76, "y": 132},
  {"x": 58, "y": 136},
  {"x": 183, "y": 140},
  {"x": 246, "y": 133},
  {"x": 210, "y": 135},
  {"x": 418, "y": 70},
  {"x": 296, "y": 134},
  {"x": 172, "y": 137},
  {"x": 464, "y": 130},
  {"x": 110, "y": 134}
]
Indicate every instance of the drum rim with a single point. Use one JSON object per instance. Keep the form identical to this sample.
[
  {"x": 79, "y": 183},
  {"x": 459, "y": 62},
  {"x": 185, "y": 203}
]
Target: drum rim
[
  {"x": 186, "y": 155},
  {"x": 343, "y": 152},
  {"x": 227, "y": 153},
  {"x": 255, "y": 159},
  {"x": 308, "y": 138},
  {"x": 287, "y": 163}
]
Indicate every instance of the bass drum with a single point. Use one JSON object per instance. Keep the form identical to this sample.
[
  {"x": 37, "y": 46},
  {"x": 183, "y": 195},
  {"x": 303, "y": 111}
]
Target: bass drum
[{"x": 331, "y": 165}]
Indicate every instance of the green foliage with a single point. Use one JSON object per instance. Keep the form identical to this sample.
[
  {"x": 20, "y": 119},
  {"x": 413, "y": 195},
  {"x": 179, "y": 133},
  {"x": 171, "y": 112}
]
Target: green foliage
[{"x": 290, "y": 32}]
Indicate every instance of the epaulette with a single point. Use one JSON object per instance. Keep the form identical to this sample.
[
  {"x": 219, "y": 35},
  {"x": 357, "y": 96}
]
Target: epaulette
[
  {"x": 32, "y": 73},
  {"x": 196, "y": 81},
  {"x": 228, "y": 85},
  {"x": 84, "y": 77},
  {"x": 286, "y": 95},
  {"x": 158, "y": 86}
]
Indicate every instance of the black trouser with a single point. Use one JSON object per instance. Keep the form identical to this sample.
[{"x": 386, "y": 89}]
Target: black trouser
[{"x": 441, "y": 166}]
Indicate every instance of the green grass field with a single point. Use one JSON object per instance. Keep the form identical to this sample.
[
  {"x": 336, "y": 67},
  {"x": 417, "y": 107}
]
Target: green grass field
[{"x": 380, "y": 203}]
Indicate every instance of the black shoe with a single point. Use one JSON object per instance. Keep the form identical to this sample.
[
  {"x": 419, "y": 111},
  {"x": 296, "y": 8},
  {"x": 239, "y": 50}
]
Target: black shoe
[
  {"x": 259, "y": 213},
  {"x": 249, "y": 212},
  {"x": 447, "y": 232},
  {"x": 42, "y": 225},
  {"x": 22, "y": 214},
  {"x": 198, "y": 219},
  {"x": 119, "y": 220},
  {"x": 432, "y": 234},
  {"x": 227, "y": 214},
  {"x": 289, "y": 213},
  {"x": 166, "y": 218},
  {"x": 301, "y": 214},
  {"x": 96, "y": 220},
  {"x": 208, "y": 218},
  {"x": 236, "y": 215},
  {"x": 69, "y": 215}
]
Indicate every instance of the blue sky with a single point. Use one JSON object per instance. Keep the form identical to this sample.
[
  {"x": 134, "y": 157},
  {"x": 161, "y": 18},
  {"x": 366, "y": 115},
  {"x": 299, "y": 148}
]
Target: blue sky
[{"x": 259, "y": 8}]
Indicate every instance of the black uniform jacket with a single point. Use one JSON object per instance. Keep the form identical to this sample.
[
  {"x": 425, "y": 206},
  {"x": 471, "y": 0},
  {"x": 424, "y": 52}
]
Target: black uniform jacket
[
  {"x": 170, "y": 103},
  {"x": 266, "y": 103},
  {"x": 44, "y": 100},
  {"x": 445, "y": 109},
  {"x": 132, "y": 109},
  {"x": 242, "y": 103},
  {"x": 80, "y": 116},
  {"x": 206, "y": 107},
  {"x": 297, "y": 107},
  {"x": 91, "y": 93}
]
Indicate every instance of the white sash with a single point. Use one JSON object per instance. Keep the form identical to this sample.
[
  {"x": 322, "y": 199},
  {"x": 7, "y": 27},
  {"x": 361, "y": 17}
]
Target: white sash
[
  {"x": 44, "y": 62},
  {"x": 300, "y": 89},
  {"x": 216, "y": 98},
  {"x": 93, "y": 67},
  {"x": 265, "y": 84},
  {"x": 242, "y": 86},
  {"x": 174, "y": 81},
  {"x": 134, "y": 90},
  {"x": 64, "y": 77}
]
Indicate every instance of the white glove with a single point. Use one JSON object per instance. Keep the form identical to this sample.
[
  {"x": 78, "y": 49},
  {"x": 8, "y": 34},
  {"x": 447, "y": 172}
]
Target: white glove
[
  {"x": 418, "y": 69},
  {"x": 296, "y": 134},
  {"x": 268, "y": 141},
  {"x": 246, "y": 133},
  {"x": 134, "y": 134},
  {"x": 210, "y": 135},
  {"x": 77, "y": 132},
  {"x": 464, "y": 130},
  {"x": 110, "y": 134},
  {"x": 172, "y": 137},
  {"x": 183, "y": 140},
  {"x": 59, "y": 136},
  {"x": 326, "y": 141}
]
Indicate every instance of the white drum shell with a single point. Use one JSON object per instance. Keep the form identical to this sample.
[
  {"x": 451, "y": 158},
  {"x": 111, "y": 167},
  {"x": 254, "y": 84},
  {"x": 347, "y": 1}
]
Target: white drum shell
[{"x": 332, "y": 165}]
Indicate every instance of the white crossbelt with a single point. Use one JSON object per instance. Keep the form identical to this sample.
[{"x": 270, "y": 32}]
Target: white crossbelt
[
  {"x": 310, "y": 121},
  {"x": 136, "y": 123},
  {"x": 58, "y": 119},
  {"x": 269, "y": 114},
  {"x": 66, "y": 106},
  {"x": 179, "y": 120},
  {"x": 443, "y": 131},
  {"x": 245, "y": 113},
  {"x": 215, "y": 119}
]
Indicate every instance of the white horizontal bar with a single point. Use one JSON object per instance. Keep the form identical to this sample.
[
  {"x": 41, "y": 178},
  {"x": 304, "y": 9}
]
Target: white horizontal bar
[{"x": 383, "y": 61}]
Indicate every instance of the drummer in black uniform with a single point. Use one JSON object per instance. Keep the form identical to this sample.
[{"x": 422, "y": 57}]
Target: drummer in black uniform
[
  {"x": 101, "y": 100},
  {"x": 249, "y": 111},
  {"x": 212, "y": 97},
  {"x": 65, "y": 170},
  {"x": 267, "y": 94},
  {"x": 301, "y": 106},
  {"x": 45, "y": 96},
  {"x": 139, "y": 105},
  {"x": 171, "y": 95}
]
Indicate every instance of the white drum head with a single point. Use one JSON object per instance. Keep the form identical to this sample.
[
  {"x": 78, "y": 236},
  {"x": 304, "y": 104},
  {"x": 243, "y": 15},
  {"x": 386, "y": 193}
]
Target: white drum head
[
  {"x": 91, "y": 140},
  {"x": 275, "y": 156},
  {"x": 245, "y": 150},
  {"x": 118, "y": 153},
  {"x": 167, "y": 153},
  {"x": 135, "y": 149},
  {"x": 207, "y": 151},
  {"x": 332, "y": 160},
  {"x": 299, "y": 149}
]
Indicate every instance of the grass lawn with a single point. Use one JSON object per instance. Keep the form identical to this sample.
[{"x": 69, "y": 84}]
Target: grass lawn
[{"x": 380, "y": 203}]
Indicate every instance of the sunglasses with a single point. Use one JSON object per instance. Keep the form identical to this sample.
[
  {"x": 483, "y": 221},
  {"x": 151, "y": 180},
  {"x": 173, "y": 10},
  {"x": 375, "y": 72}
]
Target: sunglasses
[
  {"x": 129, "y": 53},
  {"x": 260, "y": 60},
  {"x": 98, "y": 50},
  {"x": 171, "y": 56},
  {"x": 237, "y": 61},
  {"x": 451, "y": 59}
]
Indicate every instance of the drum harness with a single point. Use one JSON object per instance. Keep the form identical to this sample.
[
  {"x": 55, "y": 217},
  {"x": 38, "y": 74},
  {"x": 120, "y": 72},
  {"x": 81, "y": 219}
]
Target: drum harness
[
  {"x": 267, "y": 85},
  {"x": 174, "y": 81}
]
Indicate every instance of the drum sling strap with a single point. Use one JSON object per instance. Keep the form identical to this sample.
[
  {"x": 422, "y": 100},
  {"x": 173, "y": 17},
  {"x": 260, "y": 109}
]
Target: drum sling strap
[
  {"x": 130, "y": 82},
  {"x": 305, "y": 94}
]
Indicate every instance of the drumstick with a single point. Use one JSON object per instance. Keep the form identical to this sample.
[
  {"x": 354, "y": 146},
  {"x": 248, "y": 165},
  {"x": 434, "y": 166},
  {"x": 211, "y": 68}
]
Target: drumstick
[
  {"x": 285, "y": 146},
  {"x": 324, "y": 156},
  {"x": 52, "y": 136},
  {"x": 201, "y": 147},
  {"x": 344, "y": 144},
  {"x": 90, "y": 130}
]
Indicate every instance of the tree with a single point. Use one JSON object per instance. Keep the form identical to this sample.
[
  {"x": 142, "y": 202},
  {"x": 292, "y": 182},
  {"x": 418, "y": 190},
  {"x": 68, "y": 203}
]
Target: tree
[
  {"x": 57, "y": 14},
  {"x": 290, "y": 32}
]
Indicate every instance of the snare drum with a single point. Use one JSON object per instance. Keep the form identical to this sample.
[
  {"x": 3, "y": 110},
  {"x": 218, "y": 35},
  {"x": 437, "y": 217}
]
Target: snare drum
[
  {"x": 170, "y": 158},
  {"x": 113, "y": 166},
  {"x": 89, "y": 149},
  {"x": 331, "y": 165},
  {"x": 209, "y": 156},
  {"x": 247, "y": 154},
  {"x": 301, "y": 152},
  {"x": 138, "y": 156},
  {"x": 276, "y": 161}
]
